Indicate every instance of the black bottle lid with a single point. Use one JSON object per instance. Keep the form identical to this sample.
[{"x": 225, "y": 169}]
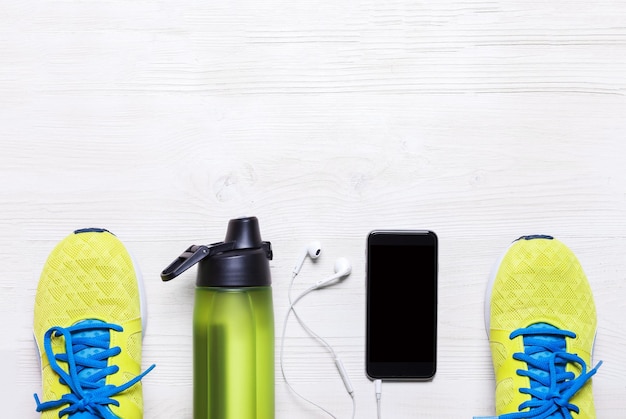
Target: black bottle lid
[{"x": 241, "y": 260}]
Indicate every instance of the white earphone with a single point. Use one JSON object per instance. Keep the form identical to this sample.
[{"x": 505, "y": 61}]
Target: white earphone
[
  {"x": 342, "y": 269},
  {"x": 312, "y": 250}
]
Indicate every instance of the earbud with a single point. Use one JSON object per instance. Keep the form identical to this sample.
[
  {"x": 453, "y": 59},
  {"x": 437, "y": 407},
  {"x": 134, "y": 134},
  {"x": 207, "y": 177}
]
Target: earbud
[
  {"x": 343, "y": 268},
  {"x": 312, "y": 250}
]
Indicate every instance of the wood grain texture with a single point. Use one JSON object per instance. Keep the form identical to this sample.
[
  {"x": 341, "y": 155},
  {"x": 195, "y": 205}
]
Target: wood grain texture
[{"x": 481, "y": 120}]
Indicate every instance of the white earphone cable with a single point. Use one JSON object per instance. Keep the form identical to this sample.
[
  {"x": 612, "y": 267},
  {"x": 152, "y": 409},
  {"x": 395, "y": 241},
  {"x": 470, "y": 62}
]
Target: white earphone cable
[
  {"x": 378, "y": 389},
  {"x": 282, "y": 344},
  {"x": 340, "y": 368},
  {"x": 291, "y": 309}
]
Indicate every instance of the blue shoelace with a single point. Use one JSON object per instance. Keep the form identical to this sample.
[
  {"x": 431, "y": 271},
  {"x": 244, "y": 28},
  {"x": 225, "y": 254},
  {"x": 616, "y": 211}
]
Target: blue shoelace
[
  {"x": 551, "y": 386},
  {"x": 86, "y": 356}
]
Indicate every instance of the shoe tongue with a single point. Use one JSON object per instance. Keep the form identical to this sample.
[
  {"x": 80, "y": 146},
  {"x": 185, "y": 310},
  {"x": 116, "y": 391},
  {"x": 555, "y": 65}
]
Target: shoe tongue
[
  {"x": 82, "y": 415},
  {"x": 551, "y": 341},
  {"x": 88, "y": 352}
]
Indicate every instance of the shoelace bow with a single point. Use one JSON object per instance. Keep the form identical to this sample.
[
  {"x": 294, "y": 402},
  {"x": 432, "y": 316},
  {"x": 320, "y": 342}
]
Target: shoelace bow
[
  {"x": 87, "y": 394},
  {"x": 548, "y": 370}
]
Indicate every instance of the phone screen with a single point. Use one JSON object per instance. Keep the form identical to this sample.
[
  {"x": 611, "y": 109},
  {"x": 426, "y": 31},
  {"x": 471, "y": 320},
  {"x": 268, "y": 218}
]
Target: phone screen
[{"x": 401, "y": 329}]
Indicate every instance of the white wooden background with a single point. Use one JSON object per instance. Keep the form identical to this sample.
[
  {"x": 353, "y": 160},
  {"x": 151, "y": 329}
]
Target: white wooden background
[{"x": 161, "y": 120}]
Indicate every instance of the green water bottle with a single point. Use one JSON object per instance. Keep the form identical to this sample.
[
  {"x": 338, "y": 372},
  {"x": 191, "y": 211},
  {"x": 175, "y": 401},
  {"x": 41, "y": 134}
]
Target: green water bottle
[{"x": 233, "y": 324}]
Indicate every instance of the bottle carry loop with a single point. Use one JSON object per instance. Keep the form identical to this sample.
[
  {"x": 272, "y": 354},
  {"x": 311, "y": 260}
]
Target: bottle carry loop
[{"x": 193, "y": 255}]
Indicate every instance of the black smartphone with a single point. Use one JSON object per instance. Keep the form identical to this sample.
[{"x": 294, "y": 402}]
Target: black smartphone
[{"x": 401, "y": 293}]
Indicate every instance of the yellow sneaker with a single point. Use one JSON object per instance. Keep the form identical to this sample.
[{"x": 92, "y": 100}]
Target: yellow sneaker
[
  {"x": 88, "y": 328},
  {"x": 541, "y": 320}
]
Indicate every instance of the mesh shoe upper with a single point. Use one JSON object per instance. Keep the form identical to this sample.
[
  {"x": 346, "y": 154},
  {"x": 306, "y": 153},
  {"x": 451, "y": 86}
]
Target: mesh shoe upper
[
  {"x": 542, "y": 325},
  {"x": 87, "y": 323}
]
